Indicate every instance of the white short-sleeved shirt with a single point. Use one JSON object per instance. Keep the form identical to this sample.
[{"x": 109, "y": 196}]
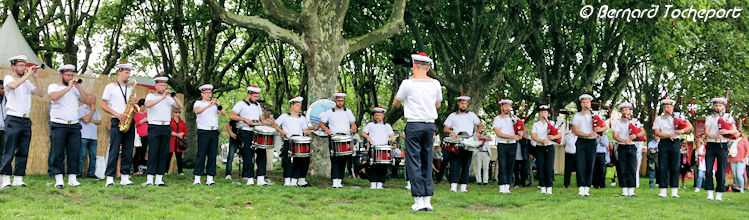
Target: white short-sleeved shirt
[
  {"x": 542, "y": 132},
  {"x": 117, "y": 96},
  {"x": 712, "y": 122},
  {"x": 160, "y": 112},
  {"x": 253, "y": 111},
  {"x": 462, "y": 122},
  {"x": 65, "y": 108},
  {"x": 3, "y": 112},
  {"x": 292, "y": 125},
  {"x": 419, "y": 97},
  {"x": 583, "y": 122},
  {"x": 622, "y": 128},
  {"x": 665, "y": 124},
  {"x": 505, "y": 125},
  {"x": 378, "y": 132},
  {"x": 19, "y": 99},
  {"x": 208, "y": 119},
  {"x": 569, "y": 143},
  {"x": 338, "y": 121}
]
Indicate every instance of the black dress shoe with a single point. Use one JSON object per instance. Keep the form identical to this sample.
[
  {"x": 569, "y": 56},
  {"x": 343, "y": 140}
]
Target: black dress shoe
[
  {"x": 60, "y": 186},
  {"x": 307, "y": 185},
  {"x": 162, "y": 185}
]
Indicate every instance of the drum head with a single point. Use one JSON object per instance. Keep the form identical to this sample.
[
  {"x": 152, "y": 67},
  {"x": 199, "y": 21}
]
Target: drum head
[
  {"x": 266, "y": 130},
  {"x": 300, "y": 139},
  {"x": 451, "y": 140},
  {"x": 342, "y": 138}
]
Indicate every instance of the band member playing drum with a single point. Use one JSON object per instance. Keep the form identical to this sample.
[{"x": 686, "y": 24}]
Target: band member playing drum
[
  {"x": 339, "y": 121},
  {"x": 18, "y": 92},
  {"x": 293, "y": 125},
  {"x": 544, "y": 152},
  {"x": 421, "y": 96},
  {"x": 460, "y": 125},
  {"x": 669, "y": 148},
  {"x": 206, "y": 111},
  {"x": 378, "y": 133},
  {"x": 249, "y": 114},
  {"x": 115, "y": 99},
  {"x": 159, "y": 106},
  {"x": 626, "y": 149},
  {"x": 64, "y": 129},
  {"x": 582, "y": 126},
  {"x": 717, "y": 127},
  {"x": 507, "y": 139}
]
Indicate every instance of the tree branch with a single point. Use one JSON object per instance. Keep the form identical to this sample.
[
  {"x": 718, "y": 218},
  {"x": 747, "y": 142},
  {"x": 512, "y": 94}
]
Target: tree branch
[
  {"x": 277, "y": 10},
  {"x": 393, "y": 26}
]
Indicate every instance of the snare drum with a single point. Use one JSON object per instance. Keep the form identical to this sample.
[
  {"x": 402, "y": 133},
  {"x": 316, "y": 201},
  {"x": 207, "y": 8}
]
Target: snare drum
[
  {"x": 264, "y": 137},
  {"x": 300, "y": 146},
  {"x": 451, "y": 144},
  {"x": 382, "y": 154},
  {"x": 471, "y": 144},
  {"x": 343, "y": 145}
]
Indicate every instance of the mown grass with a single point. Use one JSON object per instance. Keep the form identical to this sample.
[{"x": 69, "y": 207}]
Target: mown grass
[{"x": 230, "y": 199}]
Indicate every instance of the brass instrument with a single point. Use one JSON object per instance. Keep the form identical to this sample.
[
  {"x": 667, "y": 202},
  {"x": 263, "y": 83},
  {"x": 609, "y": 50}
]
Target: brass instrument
[{"x": 130, "y": 109}]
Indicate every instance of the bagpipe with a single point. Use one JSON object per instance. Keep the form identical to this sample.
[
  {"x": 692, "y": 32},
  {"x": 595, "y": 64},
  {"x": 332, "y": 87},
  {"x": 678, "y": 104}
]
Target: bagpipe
[
  {"x": 598, "y": 120},
  {"x": 517, "y": 124},
  {"x": 635, "y": 128},
  {"x": 724, "y": 125},
  {"x": 553, "y": 131}
]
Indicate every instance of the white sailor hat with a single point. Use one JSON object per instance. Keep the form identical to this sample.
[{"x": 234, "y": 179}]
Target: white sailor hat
[
  {"x": 339, "y": 94},
  {"x": 543, "y": 108},
  {"x": 625, "y": 105},
  {"x": 17, "y": 57},
  {"x": 421, "y": 58},
  {"x": 585, "y": 96},
  {"x": 667, "y": 101},
  {"x": 719, "y": 100},
  {"x": 254, "y": 89},
  {"x": 66, "y": 67},
  {"x": 463, "y": 97},
  {"x": 205, "y": 86},
  {"x": 505, "y": 101},
  {"x": 296, "y": 99},
  {"x": 379, "y": 109},
  {"x": 125, "y": 66},
  {"x": 161, "y": 79}
]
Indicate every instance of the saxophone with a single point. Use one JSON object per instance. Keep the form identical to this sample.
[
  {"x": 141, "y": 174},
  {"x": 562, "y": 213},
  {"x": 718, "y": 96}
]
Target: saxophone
[{"x": 130, "y": 109}]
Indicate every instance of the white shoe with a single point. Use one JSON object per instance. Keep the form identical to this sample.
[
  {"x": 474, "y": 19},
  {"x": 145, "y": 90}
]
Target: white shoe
[
  {"x": 109, "y": 182},
  {"x": 418, "y": 204},
  {"x": 160, "y": 180},
  {"x": 59, "y": 182},
  {"x": 379, "y": 185},
  {"x": 710, "y": 195},
  {"x": 663, "y": 193},
  {"x": 72, "y": 180},
  {"x": 125, "y": 180},
  {"x": 427, "y": 203},
  {"x": 228, "y": 177},
  {"x": 209, "y": 181},
  {"x": 197, "y": 181},
  {"x": 373, "y": 185},
  {"x": 507, "y": 188},
  {"x": 581, "y": 191},
  {"x": 463, "y": 188},
  {"x": 613, "y": 183},
  {"x": 587, "y": 191},
  {"x": 250, "y": 181},
  {"x": 149, "y": 180},
  {"x": 719, "y": 196},
  {"x": 675, "y": 192},
  {"x": 287, "y": 181},
  {"x": 18, "y": 181},
  {"x": 632, "y": 191},
  {"x": 697, "y": 190},
  {"x": 453, "y": 187},
  {"x": 6, "y": 182},
  {"x": 408, "y": 185},
  {"x": 625, "y": 191},
  {"x": 303, "y": 182},
  {"x": 261, "y": 181},
  {"x": 293, "y": 182},
  {"x": 543, "y": 190},
  {"x": 548, "y": 190}
]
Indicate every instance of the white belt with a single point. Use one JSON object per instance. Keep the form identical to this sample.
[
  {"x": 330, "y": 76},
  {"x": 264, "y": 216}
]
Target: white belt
[
  {"x": 65, "y": 122},
  {"x": 208, "y": 128},
  {"x": 420, "y": 121},
  {"x": 19, "y": 114},
  {"x": 717, "y": 141},
  {"x": 506, "y": 142},
  {"x": 159, "y": 123}
]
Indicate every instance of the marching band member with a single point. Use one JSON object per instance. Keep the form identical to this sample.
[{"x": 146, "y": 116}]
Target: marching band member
[
  {"x": 338, "y": 120},
  {"x": 206, "y": 117},
  {"x": 544, "y": 151},
  {"x": 378, "y": 133},
  {"x": 506, "y": 144},
  {"x": 669, "y": 148},
  {"x": 115, "y": 98},
  {"x": 457, "y": 123},
  {"x": 582, "y": 126},
  {"x": 421, "y": 96},
  {"x": 64, "y": 129},
  {"x": 627, "y": 151},
  {"x": 293, "y": 124},
  {"x": 18, "y": 92},
  {"x": 249, "y": 113},
  {"x": 159, "y": 106},
  {"x": 716, "y": 150}
]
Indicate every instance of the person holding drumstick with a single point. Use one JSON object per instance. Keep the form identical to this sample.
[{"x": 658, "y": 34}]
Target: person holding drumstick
[
  {"x": 461, "y": 123},
  {"x": 378, "y": 133},
  {"x": 338, "y": 121},
  {"x": 293, "y": 124}
]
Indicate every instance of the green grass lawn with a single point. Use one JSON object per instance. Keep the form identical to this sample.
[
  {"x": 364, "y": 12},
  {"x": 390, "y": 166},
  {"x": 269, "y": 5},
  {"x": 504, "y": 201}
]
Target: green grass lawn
[{"x": 230, "y": 199}]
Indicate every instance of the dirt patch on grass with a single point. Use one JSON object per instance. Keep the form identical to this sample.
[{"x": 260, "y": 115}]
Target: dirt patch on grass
[{"x": 482, "y": 208}]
